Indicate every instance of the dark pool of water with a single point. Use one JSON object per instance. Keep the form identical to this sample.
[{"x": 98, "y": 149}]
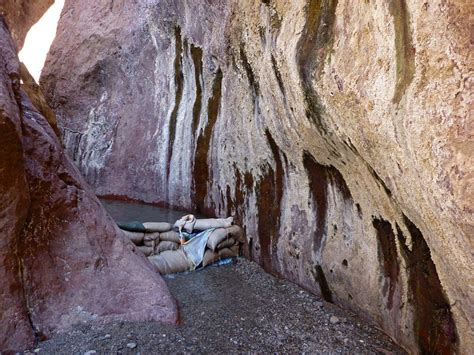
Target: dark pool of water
[{"x": 132, "y": 211}]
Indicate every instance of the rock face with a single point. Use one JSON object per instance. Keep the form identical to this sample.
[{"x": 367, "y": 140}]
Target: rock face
[
  {"x": 337, "y": 132},
  {"x": 22, "y": 14},
  {"x": 62, "y": 259}
]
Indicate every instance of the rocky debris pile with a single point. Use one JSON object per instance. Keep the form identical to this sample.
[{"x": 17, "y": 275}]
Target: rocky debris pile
[{"x": 167, "y": 248}]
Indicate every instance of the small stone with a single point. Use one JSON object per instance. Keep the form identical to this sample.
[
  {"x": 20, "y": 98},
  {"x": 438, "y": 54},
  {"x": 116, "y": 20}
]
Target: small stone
[
  {"x": 334, "y": 320},
  {"x": 37, "y": 350},
  {"x": 106, "y": 336},
  {"x": 131, "y": 345},
  {"x": 90, "y": 352}
]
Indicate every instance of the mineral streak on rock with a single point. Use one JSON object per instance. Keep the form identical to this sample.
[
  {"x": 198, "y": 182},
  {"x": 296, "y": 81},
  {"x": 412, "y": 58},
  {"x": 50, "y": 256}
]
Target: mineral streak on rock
[{"x": 366, "y": 104}]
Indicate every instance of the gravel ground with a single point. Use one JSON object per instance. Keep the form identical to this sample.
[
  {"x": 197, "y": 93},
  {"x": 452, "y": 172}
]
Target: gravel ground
[{"x": 233, "y": 309}]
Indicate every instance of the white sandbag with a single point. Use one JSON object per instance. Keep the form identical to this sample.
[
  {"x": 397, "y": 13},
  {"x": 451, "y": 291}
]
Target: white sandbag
[
  {"x": 170, "y": 262},
  {"x": 189, "y": 223},
  {"x": 157, "y": 226},
  {"x": 226, "y": 243},
  {"x": 202, "y": 224},
  {"x": 170, "y": 236},
  {"x": 220, "y": 234},
  {"x": 145, "y": 250},
  {"x": 135, "y": 237},
  {"x": 166, "y": 245}
]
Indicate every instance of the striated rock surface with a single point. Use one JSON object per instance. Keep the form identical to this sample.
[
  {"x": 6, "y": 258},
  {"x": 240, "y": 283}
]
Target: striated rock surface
[
  {"x": 62, "y": 259},
  {"x": 337, "y": 132}
]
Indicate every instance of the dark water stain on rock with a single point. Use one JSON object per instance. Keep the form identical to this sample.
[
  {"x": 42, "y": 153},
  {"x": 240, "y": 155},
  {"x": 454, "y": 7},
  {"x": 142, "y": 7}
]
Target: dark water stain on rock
[
  {"x": 320, "y": 176},
  {"x": 254, "y": 85},
  {"x": 434, "y": 326},
  {"x": 269, "y": 196},
  {"x": 278, "y": 75},
  {"x": 314, "y": 45},
  {"x": 405, "y": 52},
  {"x": 201, "y": 167},
  {"x": 320, "y": 278},
  {"x": 178, "y": 82},
  {"x": 196, "y": 54},
  {"x": 387, "y": 250}
]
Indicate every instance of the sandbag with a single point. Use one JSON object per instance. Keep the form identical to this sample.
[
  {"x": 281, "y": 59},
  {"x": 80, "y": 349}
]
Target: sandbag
[
  {"x": 209, "y": 258},
  {"x": 166, "y": 245},
  {"x": 189, "y": 223},
  {"x": 170, "y": 236},
  {"x": 151, "y": 239},
  {"x": 226, "y": 243},
  {"x": 170, "y": 262},
  {"x": 132, "y": 226},
  {"x": 229, "y": 252},
  {"x": 135, "y": 237},
  {"x": 202, "y": 224},
  {"x": 220, "y": 234},
  {"x": 146, "y": 250},
  {"x": 157, "y": 226}
]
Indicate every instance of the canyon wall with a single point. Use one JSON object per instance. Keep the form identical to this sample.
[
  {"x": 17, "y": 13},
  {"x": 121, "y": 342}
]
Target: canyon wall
[
  {"x": 337, "y": 133},
  {"x": 63, "y": 261}
]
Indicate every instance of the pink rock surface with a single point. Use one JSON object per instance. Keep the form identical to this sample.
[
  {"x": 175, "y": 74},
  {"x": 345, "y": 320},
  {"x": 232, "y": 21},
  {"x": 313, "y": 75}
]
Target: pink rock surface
[{"x": 63, "y": 261}]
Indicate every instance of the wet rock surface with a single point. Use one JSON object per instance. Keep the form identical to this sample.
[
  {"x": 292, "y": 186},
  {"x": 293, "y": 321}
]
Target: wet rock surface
[{"x": 234, "y": 308}]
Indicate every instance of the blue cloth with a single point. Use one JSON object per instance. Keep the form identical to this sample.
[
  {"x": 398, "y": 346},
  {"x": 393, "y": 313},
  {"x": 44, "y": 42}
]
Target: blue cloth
[{"x": 196, "y": 246}]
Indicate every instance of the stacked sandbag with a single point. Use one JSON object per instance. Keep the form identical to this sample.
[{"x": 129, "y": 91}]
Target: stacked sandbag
[{"x": 161, "y": 243}]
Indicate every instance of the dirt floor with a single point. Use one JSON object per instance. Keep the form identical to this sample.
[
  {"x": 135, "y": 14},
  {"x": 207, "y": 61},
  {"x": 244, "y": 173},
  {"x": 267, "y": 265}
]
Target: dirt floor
[{"x": 233, "y": 309}]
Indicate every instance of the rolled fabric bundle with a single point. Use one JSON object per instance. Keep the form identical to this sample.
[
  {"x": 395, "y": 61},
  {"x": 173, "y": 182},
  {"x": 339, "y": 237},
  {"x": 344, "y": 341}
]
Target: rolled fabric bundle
[
  {"x": 157, "y": 226},
  {"x": 170, "y": 236},
  {"x": 151, "y": 239},
  {"x": 220, "y": 234},
  {"x": 135, "y": 237},
  {"x": 166, "y": 245},
  {"x": 171, "y": 262},
  {"x": 226, "y": 243},
  {"x": 146, "y": 250}
]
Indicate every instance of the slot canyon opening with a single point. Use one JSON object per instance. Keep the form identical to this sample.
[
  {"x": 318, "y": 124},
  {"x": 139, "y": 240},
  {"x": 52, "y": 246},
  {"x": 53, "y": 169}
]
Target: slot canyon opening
[
  {"x": 39, "y": 39},
  {"x": 222, "y": 178}
]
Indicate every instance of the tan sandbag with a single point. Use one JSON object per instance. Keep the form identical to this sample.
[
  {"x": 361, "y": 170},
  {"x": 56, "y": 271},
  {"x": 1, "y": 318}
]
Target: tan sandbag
[
  {"x": 166, "y": 245},
  {"x": 157, "y": 226},
  {"x": 220, "y": 234},
  {"x": 171, "y": 262},
  {"x": 209, "y": 258},
  {"x": 226, "y": 243},
  {"x": 135, "y": 237},
  {"x": 229, "y": 252},
  {"x": 170, "y": 236},
  {"x": 146, "y": 250},
  {"x": 202, "y": 224},
  {"x": 151, "y": 239}
]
